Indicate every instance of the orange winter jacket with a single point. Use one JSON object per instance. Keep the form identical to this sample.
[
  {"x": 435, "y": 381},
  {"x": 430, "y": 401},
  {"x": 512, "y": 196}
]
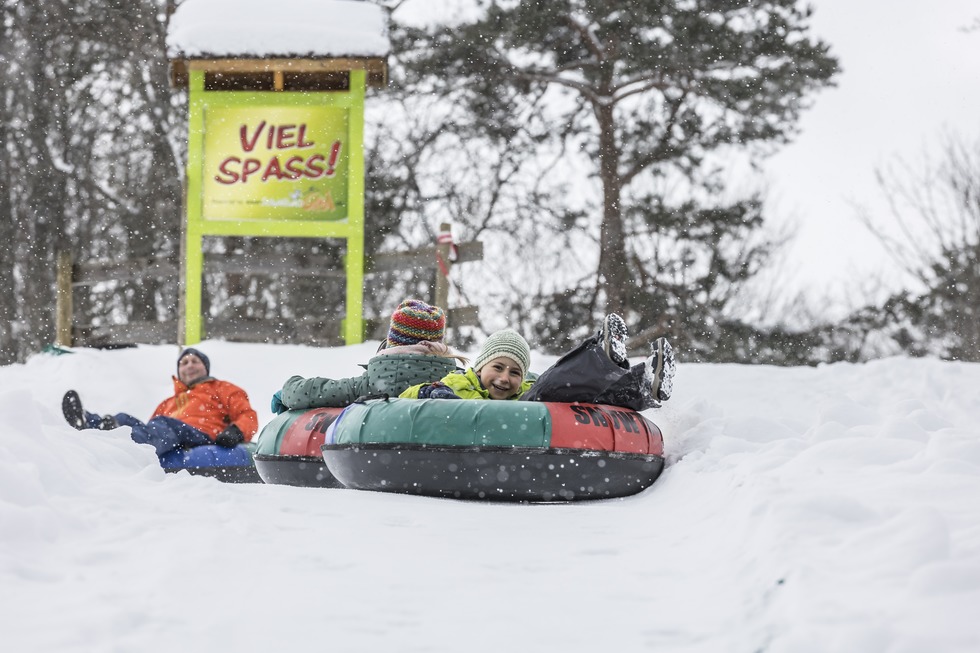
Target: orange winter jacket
[{"x": 209, "y": 406}]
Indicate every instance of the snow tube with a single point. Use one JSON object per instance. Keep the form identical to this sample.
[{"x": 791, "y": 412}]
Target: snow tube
[
  {"x": 288, "y": 448},
  {"x": 232, "y": 465},
  {"x": 494, "y": 450}
]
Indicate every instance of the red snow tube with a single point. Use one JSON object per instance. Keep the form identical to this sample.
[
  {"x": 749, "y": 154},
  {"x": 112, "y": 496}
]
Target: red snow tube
[{"x": 288, "y": 448}]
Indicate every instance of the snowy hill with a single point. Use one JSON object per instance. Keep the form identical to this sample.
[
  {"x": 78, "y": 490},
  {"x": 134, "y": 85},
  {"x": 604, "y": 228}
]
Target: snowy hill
[{"x": 826, "y": 509}]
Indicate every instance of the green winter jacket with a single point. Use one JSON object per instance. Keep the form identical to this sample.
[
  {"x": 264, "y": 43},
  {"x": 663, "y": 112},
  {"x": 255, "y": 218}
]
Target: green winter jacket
[
  {"x": 466, "y": 385},
  {"x": 386, "y": 374}
]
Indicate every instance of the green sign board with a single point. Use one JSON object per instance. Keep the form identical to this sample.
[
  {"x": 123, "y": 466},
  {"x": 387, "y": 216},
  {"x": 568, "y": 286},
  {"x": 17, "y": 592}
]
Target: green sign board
[{"x": 275, "y": 163}]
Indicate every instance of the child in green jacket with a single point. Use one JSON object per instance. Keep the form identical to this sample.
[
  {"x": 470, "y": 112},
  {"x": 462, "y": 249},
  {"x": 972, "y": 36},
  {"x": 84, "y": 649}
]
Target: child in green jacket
[
  {"x": 412, "y": 353},
  {"x": 498, "y": 372}
]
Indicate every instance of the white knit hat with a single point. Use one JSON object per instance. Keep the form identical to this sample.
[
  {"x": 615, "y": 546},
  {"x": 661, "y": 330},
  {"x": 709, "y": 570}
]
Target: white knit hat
[{"x": 506, "y": 342}]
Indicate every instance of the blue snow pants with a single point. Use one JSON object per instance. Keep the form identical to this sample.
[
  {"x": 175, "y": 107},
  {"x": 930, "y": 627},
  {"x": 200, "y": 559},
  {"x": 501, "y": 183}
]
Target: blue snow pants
[{"x": 166, "y": 434}]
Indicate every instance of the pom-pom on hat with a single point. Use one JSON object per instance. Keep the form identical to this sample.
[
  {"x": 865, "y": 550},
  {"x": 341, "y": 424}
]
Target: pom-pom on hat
[
  {"x": 507, "y": 343},
  {"x": 199, "y": 354},
  {"x": 414, "y": 321}
]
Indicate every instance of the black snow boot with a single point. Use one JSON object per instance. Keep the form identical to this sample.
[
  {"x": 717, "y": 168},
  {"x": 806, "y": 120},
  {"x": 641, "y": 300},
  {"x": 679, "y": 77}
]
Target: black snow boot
[
  {"x": 614, "y": 339},
  {"x": 71, "y": 406},
  {"x": 661, "y": 368}
]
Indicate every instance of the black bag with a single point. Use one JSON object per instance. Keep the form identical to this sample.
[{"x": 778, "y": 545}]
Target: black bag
[{"x": 588, "y": 375}]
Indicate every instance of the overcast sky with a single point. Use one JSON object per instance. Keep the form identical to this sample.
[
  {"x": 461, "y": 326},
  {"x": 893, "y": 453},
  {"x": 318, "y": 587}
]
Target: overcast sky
[{"x": 910, "y": 73}]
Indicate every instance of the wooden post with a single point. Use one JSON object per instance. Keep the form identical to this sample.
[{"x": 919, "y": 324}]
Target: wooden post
[
  {"x": 182, "y": 270},
  {"x": 444, "y": 245},
  {"x": 63, "y": 317}
]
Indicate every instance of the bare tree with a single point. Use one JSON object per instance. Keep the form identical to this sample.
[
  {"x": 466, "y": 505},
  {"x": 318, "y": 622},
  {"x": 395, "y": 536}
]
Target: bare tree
[
  {"x": 932, "y": 232},
  {"x": 90, "y": 159}
]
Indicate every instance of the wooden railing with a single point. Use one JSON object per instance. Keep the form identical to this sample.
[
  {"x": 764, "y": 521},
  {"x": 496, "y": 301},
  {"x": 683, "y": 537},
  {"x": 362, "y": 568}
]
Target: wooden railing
[{"x": 314, "y": 330}]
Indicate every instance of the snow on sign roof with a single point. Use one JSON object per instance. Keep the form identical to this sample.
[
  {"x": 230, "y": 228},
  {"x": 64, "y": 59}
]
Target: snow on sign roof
[{"x": 284, "y": 28}]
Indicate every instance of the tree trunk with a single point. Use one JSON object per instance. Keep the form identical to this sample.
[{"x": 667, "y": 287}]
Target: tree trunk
[{"x": 612, "y": 273}]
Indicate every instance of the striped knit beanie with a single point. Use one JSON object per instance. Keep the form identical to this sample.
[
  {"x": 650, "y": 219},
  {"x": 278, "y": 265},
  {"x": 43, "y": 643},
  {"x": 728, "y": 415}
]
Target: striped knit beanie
[
  {"x": 413, "y": 321},
  {"x": 507, "y": 343}
]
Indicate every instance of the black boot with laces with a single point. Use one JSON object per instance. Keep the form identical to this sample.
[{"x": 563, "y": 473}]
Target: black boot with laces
[
  {"x": 660, "y": 370},
  {"x": 613, "y": 337},
  {"x": 71, "y": 407}
]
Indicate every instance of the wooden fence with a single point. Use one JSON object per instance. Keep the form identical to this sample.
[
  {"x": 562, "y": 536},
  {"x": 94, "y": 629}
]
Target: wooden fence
[{"x": 320, "y": 331}]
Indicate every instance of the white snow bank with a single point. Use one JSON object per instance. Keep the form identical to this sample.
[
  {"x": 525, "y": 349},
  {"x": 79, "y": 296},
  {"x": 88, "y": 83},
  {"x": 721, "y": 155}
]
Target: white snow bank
[{"x": 825, "y": 510}]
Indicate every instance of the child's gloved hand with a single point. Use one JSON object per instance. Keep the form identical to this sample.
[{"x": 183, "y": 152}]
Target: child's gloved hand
[
  {"x": 443, "y": 392},
  {"x": 277, "y": 405},
  {"x": 437, "y": 391}
]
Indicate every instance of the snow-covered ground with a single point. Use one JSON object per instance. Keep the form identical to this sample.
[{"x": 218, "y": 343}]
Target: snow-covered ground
[{"x": 805, "y": 509}]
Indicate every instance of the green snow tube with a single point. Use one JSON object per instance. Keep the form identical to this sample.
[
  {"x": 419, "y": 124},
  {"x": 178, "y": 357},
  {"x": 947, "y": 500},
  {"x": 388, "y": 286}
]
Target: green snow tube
[{"x": 494, "y": 450}]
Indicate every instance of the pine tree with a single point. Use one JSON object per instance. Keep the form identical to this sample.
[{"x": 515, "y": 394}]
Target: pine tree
[{"x": 653, "y": 93}]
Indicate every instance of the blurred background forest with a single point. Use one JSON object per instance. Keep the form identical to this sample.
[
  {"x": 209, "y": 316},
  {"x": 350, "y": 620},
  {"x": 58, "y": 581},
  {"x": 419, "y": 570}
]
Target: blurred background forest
[{"x": 585, "y": 146}]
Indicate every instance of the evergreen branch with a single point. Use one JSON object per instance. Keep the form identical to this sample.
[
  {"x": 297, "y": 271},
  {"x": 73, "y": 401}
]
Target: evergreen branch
[
  {"x": 662, "y": 152},
  {"x": 641, "y": 85},
  {"x": 584, "y": 88},
  {"x": 588, "y": 38}
]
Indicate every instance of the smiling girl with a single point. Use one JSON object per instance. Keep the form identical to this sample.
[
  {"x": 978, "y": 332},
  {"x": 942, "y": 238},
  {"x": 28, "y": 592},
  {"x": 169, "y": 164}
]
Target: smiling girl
[{"x": 498, "y": 372}]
